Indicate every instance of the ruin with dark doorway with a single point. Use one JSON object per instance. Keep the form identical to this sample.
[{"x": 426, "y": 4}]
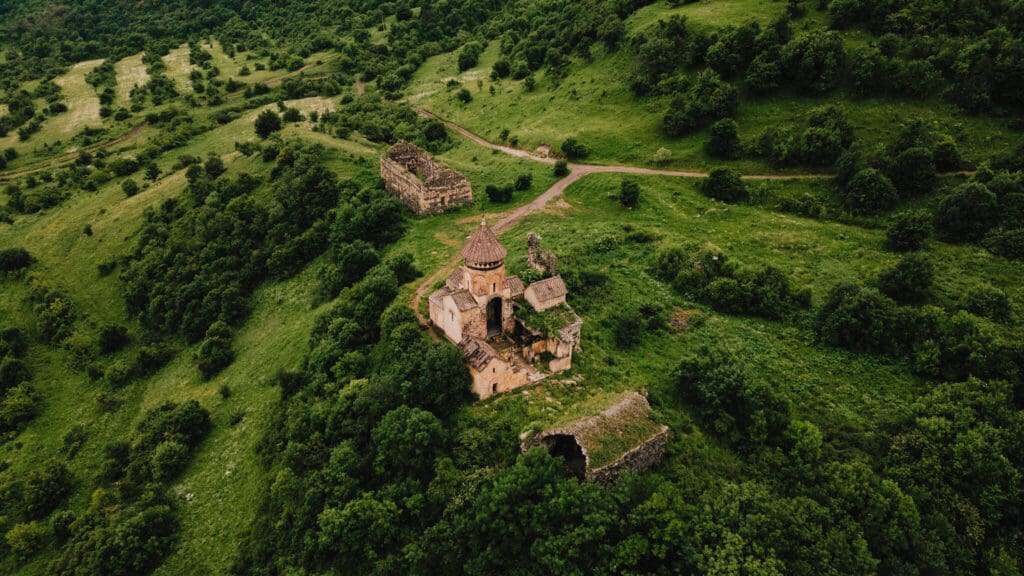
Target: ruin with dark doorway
[{"x": 621, "y": 437}]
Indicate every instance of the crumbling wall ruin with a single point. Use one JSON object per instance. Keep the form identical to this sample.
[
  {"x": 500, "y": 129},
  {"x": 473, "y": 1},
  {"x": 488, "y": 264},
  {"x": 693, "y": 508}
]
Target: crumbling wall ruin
[
  {"x": 545, "y": 262},
  {"x": 422, "y": 183},
  {"x": 578, "y": 441}
]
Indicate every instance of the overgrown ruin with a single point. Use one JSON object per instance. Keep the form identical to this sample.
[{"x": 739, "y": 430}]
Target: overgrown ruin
[
  {"x": 422, "y": 183},
  {"x": 510, "y": 335},
  {"x": 623, "y": 437}
]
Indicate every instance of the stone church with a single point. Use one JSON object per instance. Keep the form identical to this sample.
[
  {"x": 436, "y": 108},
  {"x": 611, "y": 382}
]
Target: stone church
[{"x": 481, "y": 309}]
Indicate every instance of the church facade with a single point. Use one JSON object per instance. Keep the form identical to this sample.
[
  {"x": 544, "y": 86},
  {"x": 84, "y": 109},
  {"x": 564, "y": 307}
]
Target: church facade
[{"x": 477, "y": 309}]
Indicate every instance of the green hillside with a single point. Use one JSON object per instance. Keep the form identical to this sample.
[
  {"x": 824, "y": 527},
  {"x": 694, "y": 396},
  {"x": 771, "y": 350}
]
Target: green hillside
[{"x": 797, "y": 227}]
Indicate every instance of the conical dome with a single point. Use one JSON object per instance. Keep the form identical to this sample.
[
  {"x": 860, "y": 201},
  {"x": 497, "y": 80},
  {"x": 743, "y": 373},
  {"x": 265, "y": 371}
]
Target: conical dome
[{"x": 483, "y": 251}]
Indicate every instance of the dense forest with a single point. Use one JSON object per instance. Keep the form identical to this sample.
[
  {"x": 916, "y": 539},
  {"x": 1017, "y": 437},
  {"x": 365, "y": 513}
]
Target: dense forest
[{"x": 210, "y": 342}]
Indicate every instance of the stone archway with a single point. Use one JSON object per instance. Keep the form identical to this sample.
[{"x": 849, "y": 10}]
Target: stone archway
[
  {"x": 494, "y": 317},
  {"x": 566, "y": 447}
]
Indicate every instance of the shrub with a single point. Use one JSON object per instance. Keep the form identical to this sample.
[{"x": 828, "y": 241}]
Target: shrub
[
  {"x": 118, "y": 374},
  {"x": 662, "y": 156},
  {"x": 45, "y": 489},
  {"x": 168, "y": 459},
  {"x": 908, "y": 230},
  {"x": 13, "y": 259},
  {"x": 724, "y": 184},
  {"x": 725, "y": 140},
  {"x": 913, "y": 172},
  {"x": 987, "y": 301},
  {"x": 947, "y": 156},
  {"x": 267, "y": 123},
  {"x": 966, "y": 213},
  {"x": 26, "y": 539},
  {"x": 130, "y": 187},
  {"x": 18, "y": 406},
  {"x": 464, "y": 96},
  {"x": 573, "y": 149},
  {"x": 629, "y": 194},
  {"x": 499, "y": 194},
  {"x": 910, "y": 280},
  {"x": 857, "y": 319},
  {"x": 13, "y": 372},
  {"x": 561, "y": 168},
  {"x": 524, "y": 181},
  {"x": 870, "y": 192},
  {"x": 729, "y": 400},
  {"x": 112, "y": 338},
  {"x": 13, "y": 343},
  {"x": 708, "y": 99},
  {"x": 215, "y": 352}
]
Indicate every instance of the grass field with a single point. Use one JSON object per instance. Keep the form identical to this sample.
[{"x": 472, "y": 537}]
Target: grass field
[
  {"x": 621, "y": 128},
  {"x": 178, "y": 68},
  {"x": 835, "y": 389},
  {"x": 131, "y": 72}
]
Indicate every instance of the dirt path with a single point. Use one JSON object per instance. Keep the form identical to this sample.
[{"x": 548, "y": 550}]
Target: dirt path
[
  {"x": 577, "y": 171},
  {"x": 68, "y": 158},
  {"x": 580, "y": 170}
]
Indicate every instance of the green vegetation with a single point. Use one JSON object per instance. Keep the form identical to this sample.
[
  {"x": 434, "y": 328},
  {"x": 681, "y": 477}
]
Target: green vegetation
[{"x": 209, "y": 364}]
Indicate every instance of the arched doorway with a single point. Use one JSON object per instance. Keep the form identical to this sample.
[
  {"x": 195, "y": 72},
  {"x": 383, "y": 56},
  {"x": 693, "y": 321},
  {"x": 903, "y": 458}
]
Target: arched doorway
[
  {"x": 565, "y": 446},
  {"x": 494, "y": 318}
]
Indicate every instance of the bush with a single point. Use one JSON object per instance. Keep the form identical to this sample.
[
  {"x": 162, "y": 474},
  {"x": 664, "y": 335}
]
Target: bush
[
  {"x": 870, "y": 192},
  {"x": 629, "y": 194},
  {"x": 725, "y": 140},
  {"x": 729, "y": 400},
  {"x": 708, "y": 99},
  {"x": 857, "y": 319},
  {"x": 267, "y": 123},
  {"x": 215, "y": 352},
  {"x": 561, "y": 168},
  {"x": 13, "y": 259},
  {"x": 169, "y": 458},
  {"x": 13, "y": 372},
  {"x": 987, "y": 301},
  {"x": 26, "y": 539},
  {"x": 499, "y": 194},
  {"x": 947, "y": 156},
  {"x": 130, "y": 187},
  {"x": 524, "y": 181},
  {"x": 908, "y": 230},
  {"x": 464, "y": 96},
  {"x": 118, "y": 374},
  {"x": 112, "y": 338},
  {"x": 910, "y": 281},
  {"x": 573, "y": 149},
  {"x": 913, "y": 172},
  {"x": 966, "y": 213},
  {"x": 724, "y": 184},
  {"x": 46, "y": 488}
]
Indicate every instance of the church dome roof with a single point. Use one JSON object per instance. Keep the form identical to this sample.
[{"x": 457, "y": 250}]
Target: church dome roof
[{"x": 483, "y": 250}]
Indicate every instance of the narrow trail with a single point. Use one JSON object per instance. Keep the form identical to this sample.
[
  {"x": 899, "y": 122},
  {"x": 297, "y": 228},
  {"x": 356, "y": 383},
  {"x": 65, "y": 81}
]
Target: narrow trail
[
  {"x": 68, "y": 158},
  {"x": 576, "y": 172}
]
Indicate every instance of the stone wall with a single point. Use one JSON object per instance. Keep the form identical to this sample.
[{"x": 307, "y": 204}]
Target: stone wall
[
  {"x": 641, "y": 458},
  {"x": 421, "y": 183},
  {"x": 588, "y": 433}
]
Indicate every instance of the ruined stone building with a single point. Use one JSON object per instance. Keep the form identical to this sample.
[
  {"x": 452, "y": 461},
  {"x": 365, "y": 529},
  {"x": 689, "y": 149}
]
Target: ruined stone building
[
  {"x": 422, "y": 183},
  {"x": 484, "y": 312},
  {"x": 622, "y": 437}
]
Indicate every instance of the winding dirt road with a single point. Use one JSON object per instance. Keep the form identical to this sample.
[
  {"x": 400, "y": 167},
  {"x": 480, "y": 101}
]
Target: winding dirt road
[{"x": 577, "y": 171}]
